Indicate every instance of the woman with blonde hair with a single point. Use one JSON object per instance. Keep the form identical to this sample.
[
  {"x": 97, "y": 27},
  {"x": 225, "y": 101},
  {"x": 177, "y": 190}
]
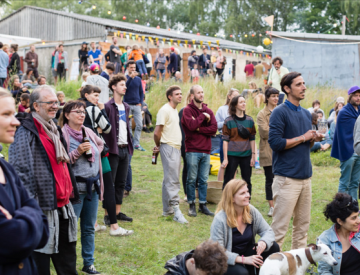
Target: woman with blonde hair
[
  {"x": 221, "y": 114},
  {"x": 235, "y": 227},
  {"x": 137, "y": 55}
]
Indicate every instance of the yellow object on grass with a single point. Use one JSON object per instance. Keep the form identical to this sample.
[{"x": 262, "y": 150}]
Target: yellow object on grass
[{"x": 215, "y": 164}]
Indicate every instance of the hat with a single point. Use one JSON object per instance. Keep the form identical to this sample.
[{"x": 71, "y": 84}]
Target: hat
[
  {"x": 353, "y": 89},
  {"x": 172, "y": 48},
  {"x": 340, "y": 99},
  {"x": 94, "y": 68},
  {"x": 85, "y": 43}
]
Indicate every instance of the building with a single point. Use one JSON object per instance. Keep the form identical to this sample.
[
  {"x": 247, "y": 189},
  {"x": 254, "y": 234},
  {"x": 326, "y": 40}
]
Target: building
[
  {"x": 53, "y": 26},
  {"x": 323, "y": 59}
]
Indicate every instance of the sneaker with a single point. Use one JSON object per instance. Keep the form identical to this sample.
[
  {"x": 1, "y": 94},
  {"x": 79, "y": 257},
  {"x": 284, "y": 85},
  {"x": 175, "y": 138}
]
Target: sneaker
[
  {"x": 179, "y": 217},
  {"x": 97, "y": 229},
  {"x": 123, "y": 218},
  {"x": 166, "y": 214},
  {"x": 121, "y": 232},
  {"x": 139, "y": 148},
  {"x": 126, "y": 193},
  {"x": 90, "y": 270},
  {"x": 271, "y": 211},
  {"x": 107, "y": 220}
]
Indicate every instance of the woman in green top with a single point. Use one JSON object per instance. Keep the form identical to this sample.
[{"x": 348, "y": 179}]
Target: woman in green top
[{"x": 239, "y": 142}]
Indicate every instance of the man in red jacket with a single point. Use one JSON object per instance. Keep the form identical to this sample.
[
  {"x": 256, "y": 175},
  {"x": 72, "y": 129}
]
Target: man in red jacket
[{"x": 199, "y": 125}]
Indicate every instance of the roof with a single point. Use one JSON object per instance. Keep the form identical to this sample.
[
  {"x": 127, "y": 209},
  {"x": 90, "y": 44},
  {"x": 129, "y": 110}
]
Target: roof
[
  {"x": 315, "y": 36},
  {"x": 143, "y": 30}
]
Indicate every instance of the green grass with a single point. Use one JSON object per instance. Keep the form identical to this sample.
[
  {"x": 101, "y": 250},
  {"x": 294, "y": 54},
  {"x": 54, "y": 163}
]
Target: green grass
[{"x": 156, "y": 238}]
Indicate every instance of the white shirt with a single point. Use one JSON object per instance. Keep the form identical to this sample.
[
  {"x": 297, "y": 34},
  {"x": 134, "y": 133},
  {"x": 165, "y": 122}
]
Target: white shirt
[
  {"x": 102, "y": 83},
  {"x": 122, "y": 125}
]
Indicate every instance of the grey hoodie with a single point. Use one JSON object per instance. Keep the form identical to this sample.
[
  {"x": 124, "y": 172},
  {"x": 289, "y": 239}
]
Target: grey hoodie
[{"x": 222, "y": 233}]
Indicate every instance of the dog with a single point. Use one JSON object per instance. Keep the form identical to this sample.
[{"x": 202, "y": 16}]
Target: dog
[{"x": 296, "y": 262}]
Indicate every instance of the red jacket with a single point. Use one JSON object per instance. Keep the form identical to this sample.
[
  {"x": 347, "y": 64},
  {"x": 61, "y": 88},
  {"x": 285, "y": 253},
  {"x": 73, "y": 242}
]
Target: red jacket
[{"x": 193, "y": 119}]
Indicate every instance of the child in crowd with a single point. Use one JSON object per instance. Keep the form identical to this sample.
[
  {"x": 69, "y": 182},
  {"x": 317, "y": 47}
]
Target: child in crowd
[
  {"x": 84, "y": 77},
  {"x": 137, "y": 55},
  {"x": 24, "y": 103},
  {"x": 61, "y": 98},
  {"x": 109, "y": 70},
  {"x": 195, "y": 74}
]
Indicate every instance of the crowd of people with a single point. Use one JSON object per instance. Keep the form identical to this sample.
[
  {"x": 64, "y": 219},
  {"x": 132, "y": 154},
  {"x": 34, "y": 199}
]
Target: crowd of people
[{"x": 65, "y": 157}]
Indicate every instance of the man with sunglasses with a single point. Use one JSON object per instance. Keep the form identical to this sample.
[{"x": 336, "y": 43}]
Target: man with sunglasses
[{"x": 39, "y": 157}]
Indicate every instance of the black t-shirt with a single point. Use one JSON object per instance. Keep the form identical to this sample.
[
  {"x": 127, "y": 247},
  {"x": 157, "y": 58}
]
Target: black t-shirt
[
  {"x": 350, "y": 262},
  {"x": 241, "y": 241},
  {"x": 8, "y": 190},
  {"x": 114, "y": 57},
  {"x": 83, "y": 55}
]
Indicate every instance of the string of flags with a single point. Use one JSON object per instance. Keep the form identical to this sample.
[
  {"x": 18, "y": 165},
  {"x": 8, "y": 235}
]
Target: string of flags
[{"x": 187, "y": 43}]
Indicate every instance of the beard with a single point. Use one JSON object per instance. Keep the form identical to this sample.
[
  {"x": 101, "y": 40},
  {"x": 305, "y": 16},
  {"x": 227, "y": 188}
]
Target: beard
[{"x": 198, "y": 100}]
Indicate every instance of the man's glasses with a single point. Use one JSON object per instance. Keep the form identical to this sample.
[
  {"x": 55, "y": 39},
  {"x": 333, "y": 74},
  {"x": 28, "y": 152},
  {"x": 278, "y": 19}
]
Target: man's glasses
[
  {"x": 79, "y": 112},
  {"x": 50, "y": 103}
]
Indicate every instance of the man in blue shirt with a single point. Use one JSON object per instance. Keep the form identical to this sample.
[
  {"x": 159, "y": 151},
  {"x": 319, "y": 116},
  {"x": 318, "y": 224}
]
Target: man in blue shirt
[
  {"x": 134, "y": 97},
  {"x": 343, "y": 145},
  {"x": 4, "y": 62},
  {"x": 291, "y": 137},
  {"x": 96, "y": 54}
]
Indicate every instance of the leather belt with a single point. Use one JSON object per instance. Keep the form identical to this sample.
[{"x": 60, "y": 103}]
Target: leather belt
[{"x": 122, "y": 145}]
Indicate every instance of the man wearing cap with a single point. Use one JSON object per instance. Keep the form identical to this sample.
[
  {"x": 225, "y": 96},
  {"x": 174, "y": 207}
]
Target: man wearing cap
[
  {"x": 173, "y": 63},
  {"x": 343, "y": 145},
  {"x": 99, "y": 81},
  {"x": 204, "y": 62}
]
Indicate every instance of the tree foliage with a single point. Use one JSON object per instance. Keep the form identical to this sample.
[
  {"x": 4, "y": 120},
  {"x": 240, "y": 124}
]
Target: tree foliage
[{"x": 218, "y": 17}]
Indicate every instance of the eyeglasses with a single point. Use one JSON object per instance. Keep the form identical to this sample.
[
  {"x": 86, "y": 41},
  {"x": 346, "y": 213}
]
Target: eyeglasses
[
  {"x": 50, "y": 103},
  {"x": 79, "y": 112}
]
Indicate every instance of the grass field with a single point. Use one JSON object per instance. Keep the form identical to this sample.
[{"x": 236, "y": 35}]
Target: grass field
[{"x": 156, "y": 238}]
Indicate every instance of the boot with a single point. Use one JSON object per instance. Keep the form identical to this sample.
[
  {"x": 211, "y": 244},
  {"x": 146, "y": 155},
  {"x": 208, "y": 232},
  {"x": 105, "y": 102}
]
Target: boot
[
  {"x": 203, "y": 209},
  {"x": 192, "y": 210}
]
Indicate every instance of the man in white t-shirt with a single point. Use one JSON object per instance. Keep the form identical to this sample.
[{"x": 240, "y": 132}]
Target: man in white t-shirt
[
  {"x": 275, "y": 75},
  {"x": 167, "y": 137},
  {"x": 119, "y": 142}
]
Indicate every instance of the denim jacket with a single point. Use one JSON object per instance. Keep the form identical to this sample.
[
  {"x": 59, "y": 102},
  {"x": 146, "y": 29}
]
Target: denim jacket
[{"x": 330, "y": 238}]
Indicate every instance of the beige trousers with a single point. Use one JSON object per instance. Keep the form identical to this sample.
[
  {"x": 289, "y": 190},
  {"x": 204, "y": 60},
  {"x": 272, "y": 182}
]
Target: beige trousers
[{"x": 292, "y": 198}]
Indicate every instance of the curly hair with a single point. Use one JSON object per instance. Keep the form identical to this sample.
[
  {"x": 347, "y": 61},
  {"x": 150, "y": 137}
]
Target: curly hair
[
  {"x": 210, "y": 257},
  {"x": 342, "y": 206},
  {"x": 116, "y": 79}
]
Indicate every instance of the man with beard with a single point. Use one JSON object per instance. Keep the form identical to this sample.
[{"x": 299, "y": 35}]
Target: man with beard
[
  {"x": 275, "y": 75},
  {"x": 291, "y": 137},
  {"x": 199, "y": 125},
  {"x": 343, "y": 149}
]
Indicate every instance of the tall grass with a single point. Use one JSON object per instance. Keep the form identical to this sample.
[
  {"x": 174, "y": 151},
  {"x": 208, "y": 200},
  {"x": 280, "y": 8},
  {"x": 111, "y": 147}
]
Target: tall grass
[{"x": 70, "y": 88}]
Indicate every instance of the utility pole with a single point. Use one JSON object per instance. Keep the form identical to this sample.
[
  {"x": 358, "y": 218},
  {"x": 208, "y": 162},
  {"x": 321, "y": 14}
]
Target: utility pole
[{"x": 343, "y": 25}]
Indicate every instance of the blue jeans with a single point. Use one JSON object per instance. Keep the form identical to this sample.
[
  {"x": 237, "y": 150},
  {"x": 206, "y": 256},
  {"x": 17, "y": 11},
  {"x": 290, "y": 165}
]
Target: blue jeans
[
  {"x": 162, "y": 72},
  {"x": 203, "y": 72},
  {"x": 198, "y": 165},
  {"x": 141, "y": 66},
  {"x": 128, "y": 185},
  {"x": 317, "y": 145},
  {"x": 350, "y": 176},
  {"x": 87, "y": 212}
]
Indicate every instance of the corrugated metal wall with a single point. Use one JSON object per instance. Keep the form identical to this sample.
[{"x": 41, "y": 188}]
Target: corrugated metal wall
[{"x": 48, "y": 26}]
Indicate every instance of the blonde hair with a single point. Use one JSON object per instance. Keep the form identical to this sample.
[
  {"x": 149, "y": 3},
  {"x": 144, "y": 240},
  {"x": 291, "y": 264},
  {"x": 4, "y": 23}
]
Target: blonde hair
[
  {"x": 4, "y": 93},
  {"x": 252, "y": 85},
  {"x": 227, "y": 203},
  {"x": 85, "y": 74},
  {"x": 230, "y": 92},
  {"x": 5, "y": 47},
  {"x": 135, "y": 47}
]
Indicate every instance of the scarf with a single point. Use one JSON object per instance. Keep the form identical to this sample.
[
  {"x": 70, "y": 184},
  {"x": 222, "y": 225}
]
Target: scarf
[
  {"x": 78, "y": 136},
  {"x": 51, "y": 130}
]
